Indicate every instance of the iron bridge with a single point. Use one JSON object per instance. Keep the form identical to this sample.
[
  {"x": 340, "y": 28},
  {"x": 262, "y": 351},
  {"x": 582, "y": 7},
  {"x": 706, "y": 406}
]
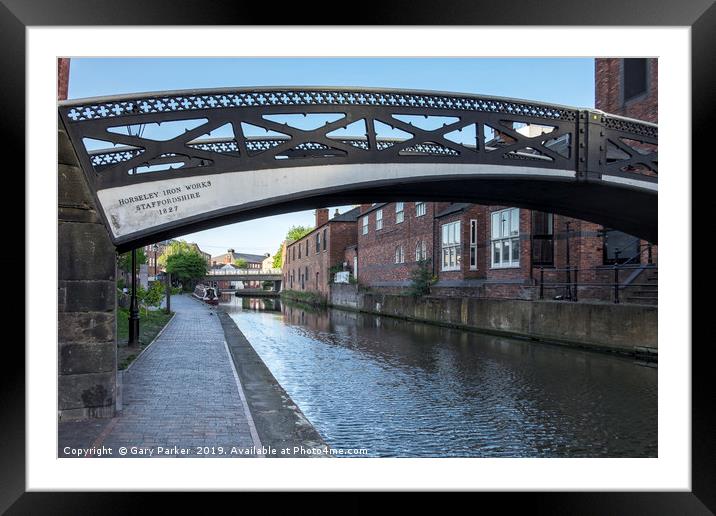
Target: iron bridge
[{"x": 164, "y": 164}]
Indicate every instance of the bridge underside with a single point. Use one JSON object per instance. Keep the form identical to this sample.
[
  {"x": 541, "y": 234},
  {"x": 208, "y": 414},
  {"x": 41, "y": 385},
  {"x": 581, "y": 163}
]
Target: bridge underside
[{"x": 621, "y": 208}]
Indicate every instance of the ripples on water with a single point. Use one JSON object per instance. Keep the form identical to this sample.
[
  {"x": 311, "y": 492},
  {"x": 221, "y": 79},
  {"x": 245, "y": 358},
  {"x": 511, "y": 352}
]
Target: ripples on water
[{"x": 403, "y": 389}]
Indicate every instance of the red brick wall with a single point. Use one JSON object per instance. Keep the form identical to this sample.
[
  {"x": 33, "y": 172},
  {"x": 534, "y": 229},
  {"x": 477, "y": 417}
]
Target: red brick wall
[
  {"x": 376, "y": 250},
  {"x": 608, "y": 90},
  {"x": 340, "y": 235},
  {"x": 63, "y": 77}
]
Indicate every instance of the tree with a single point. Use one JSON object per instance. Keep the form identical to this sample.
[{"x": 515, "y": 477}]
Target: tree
[
  {"x": 186, "y": 267},
  {"x": 298, "y": 232},
  {"x": 154, "y": 295},
  {"x": 278, "y": 257},
  {"x": 125, "y": 260},
  {"x": 176, "y": 246},
  {"x": 294, "y": 233},
  {"x": 421, "y": 279},
  {"x": 241, "y": 263}
]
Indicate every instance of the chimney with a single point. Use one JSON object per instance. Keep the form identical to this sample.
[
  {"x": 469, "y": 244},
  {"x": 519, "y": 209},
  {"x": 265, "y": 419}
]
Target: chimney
[
  {"x": 336, "y": 213},
  {"x": 321, "y": 216},
  {"x": 365, "y": 207}
]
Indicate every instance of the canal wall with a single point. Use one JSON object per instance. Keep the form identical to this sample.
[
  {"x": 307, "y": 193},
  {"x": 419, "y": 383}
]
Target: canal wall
[
  {"x": 627, "y": 329},
  {"x": 279, "y": 421}
]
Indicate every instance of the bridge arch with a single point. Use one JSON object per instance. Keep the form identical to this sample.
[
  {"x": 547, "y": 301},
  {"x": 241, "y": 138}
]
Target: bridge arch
[{"x": 331, "y": 146}]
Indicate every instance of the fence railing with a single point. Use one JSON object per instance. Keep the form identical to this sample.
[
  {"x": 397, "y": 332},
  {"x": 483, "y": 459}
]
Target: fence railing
[
  {"x": 244, "y": 272},
  {"x": 573, "y": 282}
]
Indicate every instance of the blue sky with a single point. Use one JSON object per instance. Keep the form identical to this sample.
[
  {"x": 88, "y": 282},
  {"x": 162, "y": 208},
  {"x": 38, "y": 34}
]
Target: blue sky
[{"x": 559, "y": 81}]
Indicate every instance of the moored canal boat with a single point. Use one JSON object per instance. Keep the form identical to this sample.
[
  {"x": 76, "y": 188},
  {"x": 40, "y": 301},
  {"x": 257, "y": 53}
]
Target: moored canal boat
[{"x": 206, "y": 294}]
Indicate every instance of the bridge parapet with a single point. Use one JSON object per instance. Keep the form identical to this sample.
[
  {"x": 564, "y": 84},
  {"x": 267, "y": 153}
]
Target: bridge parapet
[{"x": 246, "y": 272}]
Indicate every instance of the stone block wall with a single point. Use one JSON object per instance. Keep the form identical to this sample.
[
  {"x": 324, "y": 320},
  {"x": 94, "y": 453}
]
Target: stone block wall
[{"x": 87, "y": 332}]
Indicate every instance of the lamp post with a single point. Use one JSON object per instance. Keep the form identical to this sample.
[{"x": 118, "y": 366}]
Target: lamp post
[
  {"x": 155, "y": 248},
  {"x": 133, "y": 307}
]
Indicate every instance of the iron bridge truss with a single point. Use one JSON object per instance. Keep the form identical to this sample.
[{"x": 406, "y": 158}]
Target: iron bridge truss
[{"x": 597, "y": 146}]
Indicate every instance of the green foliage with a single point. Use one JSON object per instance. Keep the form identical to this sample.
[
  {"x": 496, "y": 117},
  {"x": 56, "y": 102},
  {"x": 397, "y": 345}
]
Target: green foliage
[
  {"x": 176, "y": 247},
  {"x": 421, "y": 279},
  {"x": 310, "y": 298},
  {"x": 277, "y": 258},
  {"x": 186, "y": 266},
  {"x": 241, "y": 263},
  {"x": 120, "y": 283},
  {"x": 298, "y": 232},
  {"x": 125, "y": 260},
  {"x": 293, "y": 234},
  {"x": 154, "y": 294}
]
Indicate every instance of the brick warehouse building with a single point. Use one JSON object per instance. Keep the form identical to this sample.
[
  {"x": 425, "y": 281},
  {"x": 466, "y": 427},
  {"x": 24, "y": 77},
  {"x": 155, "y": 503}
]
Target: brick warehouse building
[
  {"x": 229, "y": 258},
  {"x": 307, "y": 262},
  {"x": 504, "y": 252}
]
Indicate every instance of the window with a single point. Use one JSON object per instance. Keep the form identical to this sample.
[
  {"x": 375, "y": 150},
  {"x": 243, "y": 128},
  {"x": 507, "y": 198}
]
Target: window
[
  {"x": 421, "y": 251},
  {"x": 318, "y": 242},
  {"x": 420, "y": 209},
  {"x": 633, "y": 78},
  {"x": 473, "y": 244},
  {"x": 365, "y": 225},
  {"x": 378, "y": 220},
  {"x": 626, "y": 245},
  {"x": 299, "y": 251},
  {"x": 307, "y": 247},
  {"x": 399, "y": 213},
  {"x": 451, "y": 246},
  {"x": 399, "y": 254},
  {"x": 542, "y": 239},
  {"x": 505, "y": 232},
  {"x": 325, "y": 238}
]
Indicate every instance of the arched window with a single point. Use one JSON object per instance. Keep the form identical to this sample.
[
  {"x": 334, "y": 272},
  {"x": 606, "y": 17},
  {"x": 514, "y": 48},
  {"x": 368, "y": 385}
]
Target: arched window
[
  {"x": 421, "y": 252},
  {"x": 399, "y": 254}
]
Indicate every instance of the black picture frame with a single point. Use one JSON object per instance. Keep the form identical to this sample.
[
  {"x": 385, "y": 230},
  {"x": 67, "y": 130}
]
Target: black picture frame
[{"x": 700, "y": 15}]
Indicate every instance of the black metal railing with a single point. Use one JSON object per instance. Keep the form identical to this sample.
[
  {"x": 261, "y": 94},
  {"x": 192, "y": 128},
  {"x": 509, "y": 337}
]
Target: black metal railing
[{"x": 571, "y": 287}]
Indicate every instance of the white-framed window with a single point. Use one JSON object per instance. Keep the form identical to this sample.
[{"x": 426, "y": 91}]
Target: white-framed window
[
  {"x": 399, "y": 254},
  {"x": 451, "y": 246},
  {"x": 399, "y": 212},
  {"x": 473, "y": 244},
  {"x": 421, "y": 251},
  {"x": 421, "y": 209},
  {"x": 379, "y": 220},
  {"x": 505, "y": 237},
  {"x": 365, "y": 225}
]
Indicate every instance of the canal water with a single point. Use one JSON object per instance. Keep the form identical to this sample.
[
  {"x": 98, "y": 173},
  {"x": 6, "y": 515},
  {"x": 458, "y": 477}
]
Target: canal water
[{"x": 404, "y": 389}]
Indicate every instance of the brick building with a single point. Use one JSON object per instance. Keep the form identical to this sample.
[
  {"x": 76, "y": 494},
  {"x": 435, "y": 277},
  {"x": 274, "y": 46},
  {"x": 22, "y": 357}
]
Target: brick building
[
  {"x": 228, "y": 261},
  {"x": 308, "y": 262},
  {"x": 253, "y": 261},
  {"x": 502, "y": 251},
  {"x": 153, "y": 265}
]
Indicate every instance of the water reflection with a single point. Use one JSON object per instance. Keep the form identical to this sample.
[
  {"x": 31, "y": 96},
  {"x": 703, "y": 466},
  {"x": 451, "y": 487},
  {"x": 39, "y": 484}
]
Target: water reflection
[{"x": 407, "y": 389}]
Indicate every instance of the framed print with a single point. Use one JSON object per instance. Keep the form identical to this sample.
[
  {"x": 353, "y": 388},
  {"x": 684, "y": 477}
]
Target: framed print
[{"x": 436, "y": 185}]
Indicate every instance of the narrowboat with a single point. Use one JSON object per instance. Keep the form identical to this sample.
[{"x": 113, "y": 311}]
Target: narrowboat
[{"x": 206, "y": 294}]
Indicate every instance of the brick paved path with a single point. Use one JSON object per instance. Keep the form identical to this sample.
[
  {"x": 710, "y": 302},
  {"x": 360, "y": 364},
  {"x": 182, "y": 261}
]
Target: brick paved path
[{"x": 182, "y": 391}]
